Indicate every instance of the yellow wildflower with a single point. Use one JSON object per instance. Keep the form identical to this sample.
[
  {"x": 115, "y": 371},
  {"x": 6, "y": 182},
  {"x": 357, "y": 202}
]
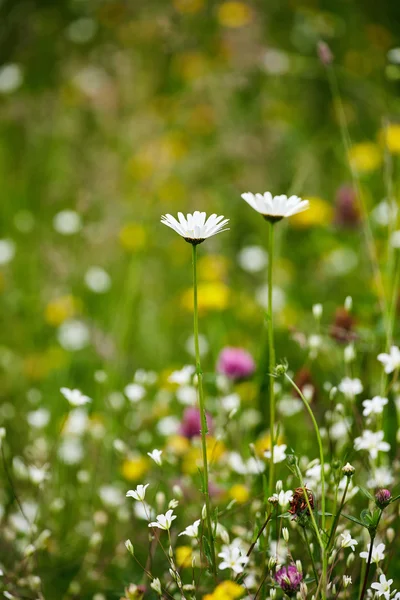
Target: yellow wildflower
[
  {"x": 59, "y": 310},
  {"x": 391, "y": 137},
  {"x": 212, "y": 296},
  {"x": 191, "y": 65},
  {"x": 234, "y": 14},
  {"x": 264, "y": 443},
  {"x": 365, "y": 157},
  {"x": 178, "y": 444},
  {"x": 227, "y": 590},
  {"x": 134, "y": 468},
  {"x": 320, "y": 213},
  {"x": 240, "y": 493},
  {"x": 193, "y": 459},
  {"x": 212, "y": 267},
  {"x": 188, "y": 6},
  {"x": 183, "y": 556}
]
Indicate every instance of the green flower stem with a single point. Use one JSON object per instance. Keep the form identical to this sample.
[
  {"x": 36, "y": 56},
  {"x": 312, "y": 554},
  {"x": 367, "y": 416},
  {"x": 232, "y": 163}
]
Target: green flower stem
[
  {"x": 322, "y": 461},
  {"x": 337, "y": 516},
  {"x": 271, "y": 355},
  {"x": 203, "y": 417},
  {"x": 371, "y": 546},
  {"x": 310, "y": 554}
]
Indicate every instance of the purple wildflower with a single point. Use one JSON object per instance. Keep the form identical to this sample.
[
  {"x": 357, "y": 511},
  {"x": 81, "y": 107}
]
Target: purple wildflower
[
  {"x": 235, "y": 363},
  {"x": 191, "y": 423},
  {"x": 289, "y": 578},
  {"x": 382, "y": 498}
]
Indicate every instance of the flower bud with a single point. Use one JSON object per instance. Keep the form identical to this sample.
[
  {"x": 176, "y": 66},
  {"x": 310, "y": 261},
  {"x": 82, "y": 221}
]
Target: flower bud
[
  {"x": 324, "y": 53},
  {"x": 129, "y": 547},
  {"x": 383, "y": 498},
  {"x": 285, "y": 533},
  {"x": 390, "y": 534},
  {"x": 348, "y": 470}
]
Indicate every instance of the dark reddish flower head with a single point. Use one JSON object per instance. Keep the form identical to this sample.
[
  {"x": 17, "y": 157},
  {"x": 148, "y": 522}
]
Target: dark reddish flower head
[
  {"x": 235, "y": 363},
  {"x": 191, "y": 423},
  {"x": 382, "y": 498},
  {"x": 347, "y": 213},
  {"x": 342, "y": 329},
  {"x": 289, "y": 578},
  {"x": 298, "y": 503}
]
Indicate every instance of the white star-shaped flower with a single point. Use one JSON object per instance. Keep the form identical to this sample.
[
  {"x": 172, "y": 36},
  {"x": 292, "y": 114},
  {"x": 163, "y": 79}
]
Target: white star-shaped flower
[
  {"x": 347, "y": 541},
  {"x": 75, "y": 397},
  {"x": 164, "y": 521},
  {"x": 138, "y": 494},
  {"x": 192, "y": 530},
  {"x": 373, "y": 442},
  {"x": 383, "y": 587},
  {"x": 156, "y": 456},
  {"x": 350, "y": 387},
  {"x": 275, "y": 208},
  {"x": 374, "y": 406},
  {"x": 195, "y": 228},
  {"x": 390, "y": 361},
  {"x": 377, "y": 553},
  {"x": 232, "y": 558},
  {"x": 279, "y": 453}
]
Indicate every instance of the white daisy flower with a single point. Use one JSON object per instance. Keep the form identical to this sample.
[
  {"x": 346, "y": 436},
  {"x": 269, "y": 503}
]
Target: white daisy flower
[
  {"x": 195, "y": 228},
  {"x": 275, "y": 208}
]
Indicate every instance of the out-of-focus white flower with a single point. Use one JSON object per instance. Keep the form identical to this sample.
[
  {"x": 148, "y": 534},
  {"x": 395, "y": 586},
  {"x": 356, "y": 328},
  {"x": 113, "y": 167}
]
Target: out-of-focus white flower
[
  {"x": 97, "y": 280},
  {"x": 192, "y": 530},
  {"x": 383, "y": 587},
  {"x": 38, "y": 475},
  {"x": 349, "y": 353},
  {"x": 252, "y": 259},
  {"x": 275, "y": 208},
  {"x": 289, "y": 406},
  {"x": 390, "y": 361},
  {"x": 11, "y": 78},
  {"x": 278, "y": 297},
  {"x": 138, "y": 494},
  {"x": 75, "y": 397},
  {"x": 347, "y": 581},
  {"x": 203, "y": 345},
  {"x": 134, "y": 392},
  {"x": 38, "y": 418},
  {"x": 70, "y": 451},
  {"x": 232, "y": 558},
  {"x": 81, "y": 30},
  {"x": 283, "y": 497},
  {"x": 164, "y": 521},
  {"x": 156, "y": 456},
  {"x": 275, "y": 61},
  {"x": 382, "y": 477},
  {"x": 184, "y": 376},
  {"x": 347, "y": 541},
  {"x": 231, "y": 402},
  {"x": 111, "y": 496},
  {"x": 317, "y": 311},
  {"x": 373, "y": 442},
  {"x": 350, "y": 387},
  {"x": 7, "y": 251},
  {"x": 187, "y": 395},
  {"x": 251, "y": 466},
  {"x": 67, "y": 222},
  {"x": 168, "y": 425},
  {"x": 279, "y": 453},
  {"x": 156, "y": 586},
  {"x": 195, "y": 228},
  {"x": 395, "y": 239},
  {"x": 73, "y": 335},
  {"x": 77, "y": 422},
  {"x": 374, "y": 406}
]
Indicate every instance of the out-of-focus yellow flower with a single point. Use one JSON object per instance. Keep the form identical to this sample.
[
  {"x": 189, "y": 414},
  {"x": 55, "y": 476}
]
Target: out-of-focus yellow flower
[
  {"x": 264, "y": 443},
  {"x": 178, "y": 444},
  {"x": 234, "y": 14},
  {"x": 172, "y": 191},
  {"x": 142, "y": 165},
  {"x": 188, "y": 6},
  {"x": 320, "y": 213},
  {"x": 133, "y": 469},
  {"x": 193, "y": 459},
  {"x": 390, "y": 136},
  {"x": 59, "y": 310},
  {"x": 227, "y": 590},
  {"x": 212, "y": 267},
  {"x": 132, "y": 237},
  {"x": 365, "y": 157},
  {"x": 191, "y": 65},
  {"x": 211, "y": 296},
  {"x": 240, "y": 493},
  {"x": 183, "y": 556}
]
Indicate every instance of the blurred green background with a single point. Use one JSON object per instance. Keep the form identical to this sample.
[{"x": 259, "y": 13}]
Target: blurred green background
[{"x": 114, "y": 113}]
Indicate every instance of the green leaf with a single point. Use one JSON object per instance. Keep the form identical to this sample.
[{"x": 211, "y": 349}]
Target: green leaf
[
  {"x": 366, "y": 517},
  {"x": 350, "y": 518},
  {"x": 366, "y": 492},
  {"x": 207, "y": 550}
]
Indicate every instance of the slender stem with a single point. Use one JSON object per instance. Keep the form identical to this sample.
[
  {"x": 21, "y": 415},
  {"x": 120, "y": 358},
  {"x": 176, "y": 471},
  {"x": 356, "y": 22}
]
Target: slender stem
[
  {"x": 310, "y": 554},
  {"x": 259, "y": 535},
  {"x": 271, "y": 355},
  {"x": 203, "y": 416},
  {"x": 322, "y": 461},
  {"x": 364, "y": 588},
  {"x": 336, "y": 520}
]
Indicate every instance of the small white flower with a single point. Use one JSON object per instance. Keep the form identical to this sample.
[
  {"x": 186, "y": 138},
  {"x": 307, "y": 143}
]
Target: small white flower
[
  {"x": 279, "y": 453},
  {"x": 275, "y": 208},
  {"x": 75, "y": 397},
  {"x": 164, "y": 521},
  {"x": 192, "y": 530},
  {"x": 195, "y": 228},
  {"x": 350, "y": 387},
  {"x": 383, "y": 587},
  {"x": 138, "y": 494},
  {"x": 73, "y": 335},
  {"x": 377, "y": 553},
  {"x": 134, "y": 392},
  {"x": 184, "y": 376},
  {"x": 347, "y": 581},
  {"x": 373, "y": 442},
  {"x": 7, "y": 251},
  {"x": 156, "y": 585},
  {"x": 317, "y": 311},
  {"x": 233, "y": 558},
  {"x": 67, "y": 222},
  {"x": 252, "y": 259},
  {"x": 11, "y": 78},
  {"x": 97, "y": 280},
  {"x": 347, "y": 541},
  {"x": 156, "y": 456},
  {"x": 283, "y": 497},
  {"x": 390, "y": 361},
  {"x": 374, "y": 406}
]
